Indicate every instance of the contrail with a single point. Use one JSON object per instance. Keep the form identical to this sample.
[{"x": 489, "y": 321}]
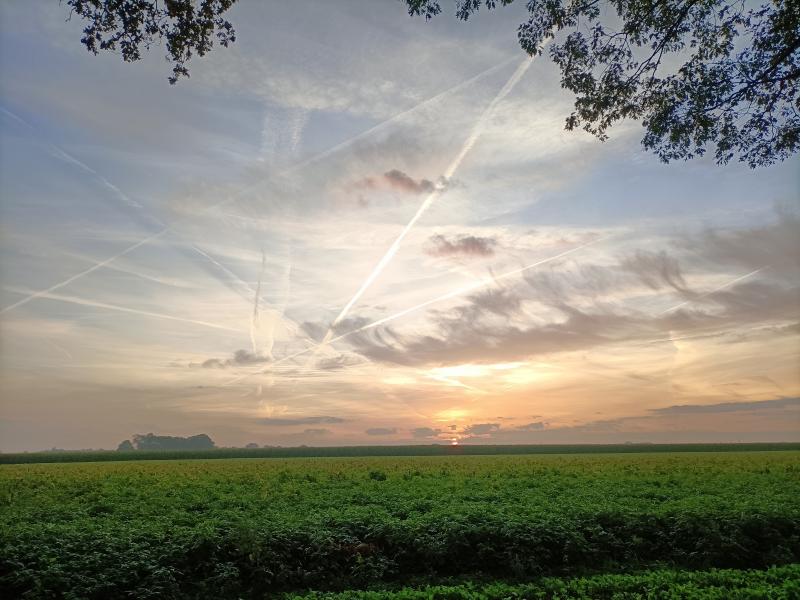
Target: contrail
[
  {"x": 67, "y": 157},
  {"x": 399, "y": 116},
  {"x": 95, "y": 304},
  {"x": 486, "y": 281},
  {"x": 227, "y": 271},
  {"x": 52, "y": 288},
  {"x": 714, "y": 291},
  {"x": 62, "y": 154},
  {"x": 256, "y": 297},
  {"x": 8, "y": 113},
  {"x": 451, "y": 170},
  {"x": 322, "y": 155}
]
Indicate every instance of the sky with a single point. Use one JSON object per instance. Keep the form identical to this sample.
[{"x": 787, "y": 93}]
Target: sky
[{"x": 354, "y": 227}]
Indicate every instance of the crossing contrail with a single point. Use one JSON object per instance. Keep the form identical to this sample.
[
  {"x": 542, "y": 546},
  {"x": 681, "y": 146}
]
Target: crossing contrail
[
  {"x": 67, "y": 157},
  {"x": 710, "y": 292},
  {"x": 399, "y": 116},
  {"x": 135, "y": 311},
  {"x": 486, "y": 281},
  {"x": 322, "y": 155},
  {"x": 94, "y": 267},
  {"x": 449, "y": 172},
  {"x": 254, "y": 321}
]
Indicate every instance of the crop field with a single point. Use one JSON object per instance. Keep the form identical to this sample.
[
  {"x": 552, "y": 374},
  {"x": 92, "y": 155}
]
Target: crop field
[{"x": 709, "y": 525}]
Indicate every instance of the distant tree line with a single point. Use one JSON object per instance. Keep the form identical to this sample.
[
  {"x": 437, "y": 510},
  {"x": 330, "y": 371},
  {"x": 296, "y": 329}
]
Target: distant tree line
[{"x": 151, "y": 441}]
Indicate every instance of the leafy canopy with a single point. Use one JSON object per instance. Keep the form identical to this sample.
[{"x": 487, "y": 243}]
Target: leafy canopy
[
  {"x": 187, "y": 27},
  {"x": 732, "y": 82}
]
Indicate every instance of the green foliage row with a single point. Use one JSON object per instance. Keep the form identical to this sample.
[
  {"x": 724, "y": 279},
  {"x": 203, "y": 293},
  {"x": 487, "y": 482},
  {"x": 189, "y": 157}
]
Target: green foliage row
[
  {"x": 248, "y": 528},
  {"x": 777, "y": 583},
  {"x": 415, "y": 450}
]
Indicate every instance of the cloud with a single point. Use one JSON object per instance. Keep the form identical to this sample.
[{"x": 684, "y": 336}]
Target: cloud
[
  {"x": 535, "y": 426},
  {"x": 381, "y": 431},
  {"x": 655, "y": 270},
  {"x": 461, "y": 341},
  {"x": 463, "y": 246},
  {"x": 402, "y": 182},
  {"x": 482, "y": 429},
  {"x": 421, "y": 433},
  {"x": 588, "y": 306},
  {"x": 314, "y": 431},
  {"x": 572, "y": 282},
  {"x": 399, "y": 181},
  {"x": 240, "y": 358},
  {"x": 727, "y": 407},
  {"x": 497, "y": 301},
  {"x": 337, "y": 363},
  {"x": 775, "y": 244},
  {"x": 287, "y": 421},
  {"x": 316, "y": 331}
]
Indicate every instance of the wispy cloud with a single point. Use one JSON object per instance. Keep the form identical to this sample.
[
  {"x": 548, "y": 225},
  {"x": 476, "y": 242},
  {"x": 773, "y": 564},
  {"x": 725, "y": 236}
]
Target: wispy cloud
[
  {"x": 728, "y": 407},
  {"x": 378, "y": 431},
  {"x": 291, "y": 421},
  {"x": 481, "y": 428}
]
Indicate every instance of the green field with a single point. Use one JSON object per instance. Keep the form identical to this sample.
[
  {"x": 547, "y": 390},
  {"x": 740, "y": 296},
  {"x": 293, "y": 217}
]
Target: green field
[
  {"x": 355, "y": 451},
  {"x": 480, "y": 526}
]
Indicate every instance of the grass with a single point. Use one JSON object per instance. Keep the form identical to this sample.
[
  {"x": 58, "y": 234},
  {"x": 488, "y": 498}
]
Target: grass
[
  {"x": 359, "y": 451},
  {"x": 255, "y": 527},
  {"x": 776, "y": 583}
]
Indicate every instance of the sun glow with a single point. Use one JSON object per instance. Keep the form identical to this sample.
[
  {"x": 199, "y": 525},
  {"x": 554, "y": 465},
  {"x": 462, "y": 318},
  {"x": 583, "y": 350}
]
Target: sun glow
[
  {"x": 503, "y": 374},
  {"x": 452, "y": 414}
]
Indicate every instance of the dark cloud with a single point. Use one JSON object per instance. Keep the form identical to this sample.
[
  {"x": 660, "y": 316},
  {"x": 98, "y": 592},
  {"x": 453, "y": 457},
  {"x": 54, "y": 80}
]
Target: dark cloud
[
  {"x": 727, "y": 407},
  {"x": 421, "y": 433},
  {"x": 319, "y": 431},
  {"x": 762, "y": 304},
  {"x": 337, "y": 363},
  {"x": 399, "y": 181},
  {"x": 569, "y": 283},
  {"x": 317, "y": 331},
  {"x": 776, "y": 245},
  {"x": 462, "y": 341},
  {"x": 381, "y": 431},
  {"x": 464, "y": 245},
  {"x": 300, "y": 420},
  {"x": 656, "y": 270},
  {"x": 497, "y": 301},
  {"x": 482, "y": 428},
  {"x": 240, "y": 358},
  {"x": 535, "y": 426}
]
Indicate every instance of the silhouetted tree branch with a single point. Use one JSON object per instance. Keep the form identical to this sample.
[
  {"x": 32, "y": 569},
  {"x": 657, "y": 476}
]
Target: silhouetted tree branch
[
  {"x": 187, "y": 27},
  {"x": 736, "y": 86}
]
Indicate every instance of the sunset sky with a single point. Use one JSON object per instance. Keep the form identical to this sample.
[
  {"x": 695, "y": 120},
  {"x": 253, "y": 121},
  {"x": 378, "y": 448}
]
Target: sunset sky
[{"x": 354, "y": 227}]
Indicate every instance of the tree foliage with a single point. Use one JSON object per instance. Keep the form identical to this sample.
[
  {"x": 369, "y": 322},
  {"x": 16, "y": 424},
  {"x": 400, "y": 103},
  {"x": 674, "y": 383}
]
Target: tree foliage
[
  {"x": 697, "y": 73},
  {"x": 167, "y": 442},
  {"x": 187, "y": 27},
  {"x": 125, "y": 446}
]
